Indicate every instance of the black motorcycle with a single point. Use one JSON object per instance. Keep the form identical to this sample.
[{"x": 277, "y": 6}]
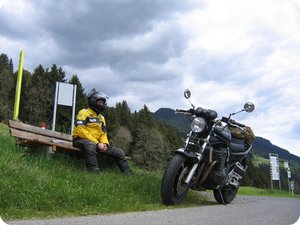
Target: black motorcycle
[{"x": 213, "y": 157}]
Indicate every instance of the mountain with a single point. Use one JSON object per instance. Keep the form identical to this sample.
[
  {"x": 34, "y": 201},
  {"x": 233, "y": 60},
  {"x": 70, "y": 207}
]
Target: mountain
[
  {"x": 261, "y": 146},
  {"x": 169, "y": 117}
]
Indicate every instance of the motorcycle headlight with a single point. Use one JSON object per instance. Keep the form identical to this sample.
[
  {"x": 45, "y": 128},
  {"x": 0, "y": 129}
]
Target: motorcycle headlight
[{"x": 198, "y": 124}]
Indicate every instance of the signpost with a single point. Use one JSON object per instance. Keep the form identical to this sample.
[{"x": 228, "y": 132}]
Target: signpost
[
  {"x": 286, "y": 165},
  {"x": 292, "y": 186},
  {"x": 65, "y": 94},
  {"x": 274, "y": 169}
]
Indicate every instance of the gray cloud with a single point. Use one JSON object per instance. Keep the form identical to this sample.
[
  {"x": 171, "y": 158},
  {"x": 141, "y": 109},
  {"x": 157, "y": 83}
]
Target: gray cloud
[
  {"x": 82, "y": 30},
  {"x": 148, "y": 52}
]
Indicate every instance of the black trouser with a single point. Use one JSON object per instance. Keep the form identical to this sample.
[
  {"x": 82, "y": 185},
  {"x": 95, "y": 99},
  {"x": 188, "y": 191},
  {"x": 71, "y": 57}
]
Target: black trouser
[{"x": 90, "y": 151}]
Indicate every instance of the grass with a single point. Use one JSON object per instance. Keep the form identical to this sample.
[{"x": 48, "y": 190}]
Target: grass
[
  {"x": 260, "y": 160},
  {"x": 33, "y": 185},
  {"x": 265, "y": 192}
]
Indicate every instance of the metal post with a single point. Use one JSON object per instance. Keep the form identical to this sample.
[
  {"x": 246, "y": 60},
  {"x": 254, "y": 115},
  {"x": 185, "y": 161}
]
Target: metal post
[
  {"x": 18, "y": 87},
  {"x": 73, "y": 110},
  {"x": 55, "y": 107},
  {"x": 271, "y": 184},
  {"x": 279, "y": 185},
  {"x": 289, "y": 176}
]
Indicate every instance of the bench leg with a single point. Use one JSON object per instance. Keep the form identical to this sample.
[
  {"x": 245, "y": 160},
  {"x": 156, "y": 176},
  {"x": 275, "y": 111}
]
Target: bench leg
[{"x": 47, "y": 149}]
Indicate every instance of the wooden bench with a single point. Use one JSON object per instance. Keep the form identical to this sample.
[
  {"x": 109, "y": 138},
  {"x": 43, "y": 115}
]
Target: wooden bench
[{"x": 31, "y": 136}]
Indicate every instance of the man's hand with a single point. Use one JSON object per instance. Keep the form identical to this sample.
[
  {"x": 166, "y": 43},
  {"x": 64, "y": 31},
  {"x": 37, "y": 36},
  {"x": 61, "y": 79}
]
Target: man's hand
[{"x": 102, "y": 147}]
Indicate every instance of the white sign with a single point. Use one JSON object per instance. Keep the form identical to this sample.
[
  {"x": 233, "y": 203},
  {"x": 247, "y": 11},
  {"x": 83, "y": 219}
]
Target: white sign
[
  {"x": 274, "y": 167},
  {"x": 65, "y": 94},
  {"x": 289, "y": 173},
  {"x": 292, "y": 185},
  {"x": 286, "y": 164}
]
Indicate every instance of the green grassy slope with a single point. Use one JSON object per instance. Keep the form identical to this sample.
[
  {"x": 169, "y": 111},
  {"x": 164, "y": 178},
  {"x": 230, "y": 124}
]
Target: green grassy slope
[{"x": 34, "y": 185}]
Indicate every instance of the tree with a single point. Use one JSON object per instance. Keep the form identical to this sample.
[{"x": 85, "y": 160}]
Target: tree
[
  {"x": 56, "y": 75},
  {"x": 112, "y": 122},
  {"x": 256, "y": 175},
  {"x": 149, "y": 149},
  {"x": 24, "y": 107},
  {"x": 4, "y": 61},
  {"x": 123, "y": 114},
  {"x": 122, "y": 138},
  {"x": 40, "y": 97},
  {"x": 172, "y": 138},
  {"x": 145, "y": 117},
  {"x": 81, "y": 98},
  {"x": 63, "y": 116},
  {"x": 11, "y": 66},
  {"x": 92, "y": 91},
  {"x": 6, "y": 87}
]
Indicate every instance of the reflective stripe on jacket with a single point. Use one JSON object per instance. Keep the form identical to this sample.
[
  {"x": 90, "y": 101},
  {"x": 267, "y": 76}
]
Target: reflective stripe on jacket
[{"x": 91, "y": 126}]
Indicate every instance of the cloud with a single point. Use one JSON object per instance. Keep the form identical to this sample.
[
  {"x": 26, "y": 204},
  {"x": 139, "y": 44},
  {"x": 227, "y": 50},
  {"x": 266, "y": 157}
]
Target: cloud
[{"x": 149, "y": 52}]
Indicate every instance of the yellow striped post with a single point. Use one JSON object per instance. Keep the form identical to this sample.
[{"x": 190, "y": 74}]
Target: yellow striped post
[{"x": 18, "y": 86}]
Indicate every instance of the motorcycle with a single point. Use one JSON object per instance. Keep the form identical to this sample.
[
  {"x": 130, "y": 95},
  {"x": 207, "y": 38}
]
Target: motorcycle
[{"x": 214, "y": 156}]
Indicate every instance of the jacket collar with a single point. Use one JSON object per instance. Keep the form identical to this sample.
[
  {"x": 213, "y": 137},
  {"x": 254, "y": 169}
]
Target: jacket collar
[{"x": 92, "y": 112}]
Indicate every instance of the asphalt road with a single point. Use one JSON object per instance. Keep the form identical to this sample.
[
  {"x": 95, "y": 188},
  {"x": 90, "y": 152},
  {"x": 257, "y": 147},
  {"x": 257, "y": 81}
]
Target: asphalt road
[{"x": 244, "y": 210}]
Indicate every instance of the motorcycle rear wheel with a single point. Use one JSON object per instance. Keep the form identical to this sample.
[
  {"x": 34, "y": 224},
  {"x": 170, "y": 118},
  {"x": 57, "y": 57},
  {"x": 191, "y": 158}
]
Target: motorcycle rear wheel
[
  {"x": 173, "y": 187},
  {"x": 226, "y": 195}
]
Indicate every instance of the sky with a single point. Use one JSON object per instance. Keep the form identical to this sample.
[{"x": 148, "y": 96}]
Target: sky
[{"x": 147, "y": 52}]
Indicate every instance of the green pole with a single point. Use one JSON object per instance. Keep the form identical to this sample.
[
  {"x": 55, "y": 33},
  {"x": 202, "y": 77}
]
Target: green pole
[{"x": 18, "y": 86}]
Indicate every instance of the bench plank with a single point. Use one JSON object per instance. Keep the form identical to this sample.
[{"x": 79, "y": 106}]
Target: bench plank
[
  {"x": 28, "y": 135},
  {"x": 37, "y": 130}
]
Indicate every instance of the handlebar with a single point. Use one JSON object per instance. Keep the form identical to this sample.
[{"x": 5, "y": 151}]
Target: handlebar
[
  {"x": 231, "y": 121},
  {"x": 183, "y": 111},
  {"x": 224, "y": 119}
]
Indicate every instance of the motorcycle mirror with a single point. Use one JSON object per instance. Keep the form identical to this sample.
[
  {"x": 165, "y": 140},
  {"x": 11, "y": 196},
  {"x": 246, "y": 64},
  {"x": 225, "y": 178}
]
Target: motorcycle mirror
[
  {"x": 249, "y": 107},
  {"x": 187, "y": 93}
]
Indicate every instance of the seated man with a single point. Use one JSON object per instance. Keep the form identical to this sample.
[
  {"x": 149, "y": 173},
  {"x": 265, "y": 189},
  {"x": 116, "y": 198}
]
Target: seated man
[{"x": 91, "y": 137}]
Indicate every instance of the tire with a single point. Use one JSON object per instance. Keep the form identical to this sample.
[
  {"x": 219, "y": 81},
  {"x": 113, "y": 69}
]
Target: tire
[
  {"x": 173, "y": 188},
  {"x": 226, "y": 195}
]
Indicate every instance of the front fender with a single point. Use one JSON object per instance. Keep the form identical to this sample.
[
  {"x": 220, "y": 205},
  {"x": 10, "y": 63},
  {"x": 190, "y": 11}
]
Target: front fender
[{"x": 190, "y": 155}]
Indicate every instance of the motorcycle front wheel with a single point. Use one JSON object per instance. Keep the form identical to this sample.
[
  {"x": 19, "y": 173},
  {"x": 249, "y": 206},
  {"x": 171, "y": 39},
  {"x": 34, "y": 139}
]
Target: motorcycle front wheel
[
  {"x": 226, "y": 195},
  {"x": 173, "y": 187}
]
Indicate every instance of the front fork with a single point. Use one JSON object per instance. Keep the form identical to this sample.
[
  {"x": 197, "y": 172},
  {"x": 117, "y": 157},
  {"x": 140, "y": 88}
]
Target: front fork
[{"x": 198, "y": 155}]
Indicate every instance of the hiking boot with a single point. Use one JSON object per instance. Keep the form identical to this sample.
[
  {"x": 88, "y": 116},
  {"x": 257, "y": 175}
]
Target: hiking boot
[{"x": 95, "y": 170}]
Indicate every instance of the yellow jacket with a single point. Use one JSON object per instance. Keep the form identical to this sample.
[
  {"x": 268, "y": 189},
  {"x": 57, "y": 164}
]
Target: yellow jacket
[{"x": 90, "y": 126}]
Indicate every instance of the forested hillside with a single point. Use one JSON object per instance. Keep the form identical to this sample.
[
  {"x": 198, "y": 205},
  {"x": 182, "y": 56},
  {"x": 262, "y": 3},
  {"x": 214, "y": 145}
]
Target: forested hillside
[
  {"x": 148, "y": 138},
  {"x": 149, "y": 143}
]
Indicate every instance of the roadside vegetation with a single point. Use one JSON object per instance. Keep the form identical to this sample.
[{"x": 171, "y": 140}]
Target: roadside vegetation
[
  {"x": 34, "y": 185},
  {"x": 266, "y": 192}
]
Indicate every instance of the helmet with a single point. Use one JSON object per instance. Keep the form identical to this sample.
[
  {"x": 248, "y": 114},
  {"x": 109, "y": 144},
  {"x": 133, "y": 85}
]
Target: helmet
[{"x": 92, "y": 102}]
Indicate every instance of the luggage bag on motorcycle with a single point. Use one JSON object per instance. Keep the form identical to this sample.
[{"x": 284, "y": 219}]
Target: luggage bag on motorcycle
[{"x": 244, "y": 133}]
